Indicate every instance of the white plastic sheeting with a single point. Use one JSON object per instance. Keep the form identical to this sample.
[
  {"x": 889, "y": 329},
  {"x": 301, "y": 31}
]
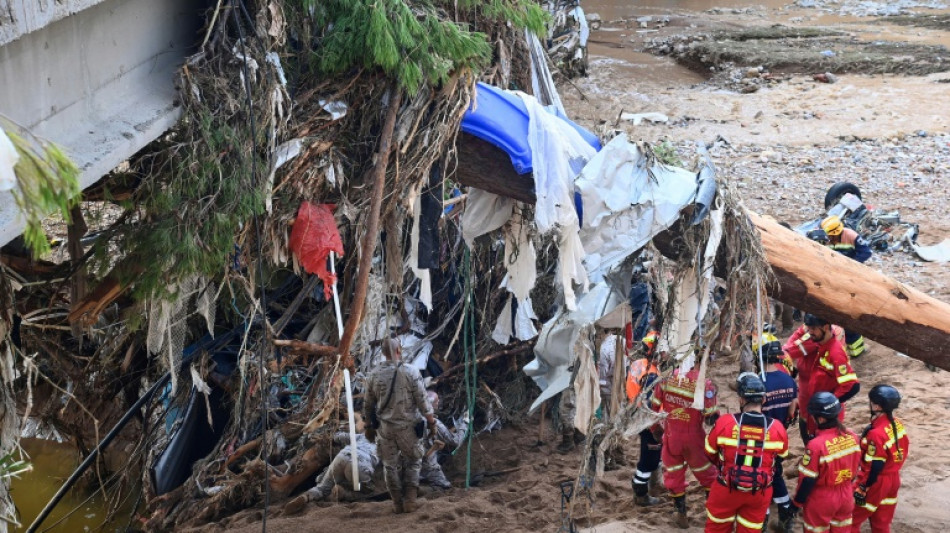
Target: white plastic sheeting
[
  {"x": 422, "y": 274},
  {"x": 484, "y": 212},
  {"x": 705, "y": 294},
  {"x": 542, "y": 82},
  {"x": 627, "y": 202},
  {"x": 520, "y": 257},
  {"x": 555, "y": 350},
  {"x": 8, "y": 160},
  {"x": 586, "y": 383},
  {"x": 559, "y": 153},
  {"x": 938, "y": 253},
  {"x": 519, "y": 326}
]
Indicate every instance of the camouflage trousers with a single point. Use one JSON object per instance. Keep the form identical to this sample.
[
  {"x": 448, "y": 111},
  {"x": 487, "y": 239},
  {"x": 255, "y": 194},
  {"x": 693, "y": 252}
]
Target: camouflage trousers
[
  {"x": 401, "y": 453},
  {"x": 432, "y": 472}
]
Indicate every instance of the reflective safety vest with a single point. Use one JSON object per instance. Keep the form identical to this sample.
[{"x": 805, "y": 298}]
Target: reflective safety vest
[
  {"x": 744, "y": 446},
  {"x": 638, "y": 375}
]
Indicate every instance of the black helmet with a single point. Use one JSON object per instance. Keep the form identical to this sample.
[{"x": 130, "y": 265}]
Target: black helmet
[
  {"x": 773, "y": 351},
  {"x": 824, "y": 404},
  {"x": 886, "y": 396},
  {"x": 750, "y": 387},
  {"x": 814, "y": 321}
]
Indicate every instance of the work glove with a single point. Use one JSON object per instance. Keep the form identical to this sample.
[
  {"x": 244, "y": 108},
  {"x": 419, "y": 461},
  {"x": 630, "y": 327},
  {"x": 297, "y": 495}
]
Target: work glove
[
  {"x": 370, "y": 433},
  {"x": 860, "y": 495}
]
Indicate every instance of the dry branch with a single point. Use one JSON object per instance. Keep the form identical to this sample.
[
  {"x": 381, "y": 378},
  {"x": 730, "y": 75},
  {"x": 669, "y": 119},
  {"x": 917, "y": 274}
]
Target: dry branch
[{"x": 372, "y": 229}]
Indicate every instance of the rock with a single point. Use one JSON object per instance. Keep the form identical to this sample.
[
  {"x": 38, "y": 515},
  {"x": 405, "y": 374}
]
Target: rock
[
  {"x": 752, "y": 73},
  {"x": 770, "y": 156},
  {"x": 826, "y": 77}
]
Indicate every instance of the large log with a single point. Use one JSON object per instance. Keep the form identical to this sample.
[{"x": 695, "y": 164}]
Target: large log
[
  {"x": 819, "y": 280},
  {"x": 808, "y": 276}
]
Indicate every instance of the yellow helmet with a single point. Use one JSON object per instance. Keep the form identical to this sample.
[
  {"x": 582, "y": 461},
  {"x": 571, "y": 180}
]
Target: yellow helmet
[
  {"x": 832, "y": 225},
  {"x": 766, "y": 339}
]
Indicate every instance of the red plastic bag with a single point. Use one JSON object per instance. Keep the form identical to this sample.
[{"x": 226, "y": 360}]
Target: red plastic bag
[{"x": 312, "y": 239}]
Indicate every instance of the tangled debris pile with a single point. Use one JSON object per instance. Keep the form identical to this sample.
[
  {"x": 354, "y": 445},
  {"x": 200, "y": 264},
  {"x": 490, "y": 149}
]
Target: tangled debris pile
[{"x": 266, "y": 246}]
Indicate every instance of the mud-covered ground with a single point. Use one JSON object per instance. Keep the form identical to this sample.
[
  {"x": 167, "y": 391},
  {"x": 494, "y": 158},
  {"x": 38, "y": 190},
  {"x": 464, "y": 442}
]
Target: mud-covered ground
[{"x": 786, "y": 143}]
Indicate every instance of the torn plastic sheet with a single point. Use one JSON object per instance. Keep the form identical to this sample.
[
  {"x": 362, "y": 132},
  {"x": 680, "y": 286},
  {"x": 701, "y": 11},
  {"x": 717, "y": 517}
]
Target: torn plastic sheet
[
  {"x": 554, "y": 351},
  {"x": 520, "y": 257},
  {"x": 415, "y": 348},
  {"x": 564, "y": 153},
  {"x": 626, "y": 203},
  {"x": 422, "y": 274},
  {"x": 638, "y": 118},
  {"x": 274, "y": 59},
  {"x": 586, "y": 384},
  {"x": 518, "y": 323},
  {"x": 8, "y": 160},
  {"x": 706, "y": 190},
  {"x": 336, "y": 108},
  {"x": 938, "y": 253},
  {"x": 581, "y": 19},
  {"x": 484, "y": 212}
]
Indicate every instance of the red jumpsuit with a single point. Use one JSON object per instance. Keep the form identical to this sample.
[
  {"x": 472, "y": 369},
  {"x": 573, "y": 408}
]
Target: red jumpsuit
[
  {"x": 684, "y": 437},
  {"x": 878, "y": 444},
  {"x": 744, "y": 447},
  {"x": 832, "y": 459},
  {"x": 823, "y": 368}
]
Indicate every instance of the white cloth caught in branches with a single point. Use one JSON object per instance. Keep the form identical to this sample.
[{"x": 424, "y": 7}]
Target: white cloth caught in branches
[{"x": 558, "y": 153}]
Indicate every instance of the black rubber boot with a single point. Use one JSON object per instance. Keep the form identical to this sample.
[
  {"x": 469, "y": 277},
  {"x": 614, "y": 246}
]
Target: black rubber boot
[
  {"x": 641, "y": 495},
  {"x": 680, "y": 519},
  {"x": 786, "y": 518}
]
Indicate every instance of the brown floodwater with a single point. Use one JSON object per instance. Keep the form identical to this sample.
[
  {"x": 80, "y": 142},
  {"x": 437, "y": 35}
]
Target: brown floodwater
[{"x": 80, "y": 510}]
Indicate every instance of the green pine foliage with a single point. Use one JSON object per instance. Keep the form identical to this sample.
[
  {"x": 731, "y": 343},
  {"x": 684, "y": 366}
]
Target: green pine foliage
[
  {"x": 193, "y": 215},
  {"x": 521, "y": 13},
  {"x": 408, "y": 40},
  {"x": 47, "y": 183}
]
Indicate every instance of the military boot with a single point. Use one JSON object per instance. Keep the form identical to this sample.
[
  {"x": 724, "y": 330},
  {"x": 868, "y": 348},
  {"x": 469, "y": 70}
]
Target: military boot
[
  {"x": 641, "y": 495},
  {"x": 567, "y": 443},
  {"x": 786, "y": 518},
  {"x": 409, "y": 493},
  {"x": 680, "y": 519},
  {"x": 398, "y": 506}
]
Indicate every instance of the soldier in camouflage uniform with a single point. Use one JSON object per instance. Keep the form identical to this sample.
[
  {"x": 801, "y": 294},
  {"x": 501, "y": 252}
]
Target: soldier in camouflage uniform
[
  {"x": 395, "y": 398},
  {"x": 444, "y": 438},
  {"x": 340, "y": 472}
]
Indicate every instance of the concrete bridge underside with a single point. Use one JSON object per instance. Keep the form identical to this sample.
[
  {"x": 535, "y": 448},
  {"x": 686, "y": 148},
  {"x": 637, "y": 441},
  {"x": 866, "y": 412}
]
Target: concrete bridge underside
[{"x": 97, "y": 77}]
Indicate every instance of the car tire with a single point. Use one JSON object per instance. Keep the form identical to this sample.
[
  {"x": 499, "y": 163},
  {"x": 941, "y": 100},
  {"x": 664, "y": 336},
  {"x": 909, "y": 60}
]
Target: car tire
[{"x": 836, "y": 191}]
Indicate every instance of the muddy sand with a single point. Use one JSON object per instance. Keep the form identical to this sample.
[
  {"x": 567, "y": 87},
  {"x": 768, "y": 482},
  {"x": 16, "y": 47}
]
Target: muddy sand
[{"x": 886, "y": 133}]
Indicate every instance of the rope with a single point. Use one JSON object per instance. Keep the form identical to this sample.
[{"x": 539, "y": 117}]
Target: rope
[
  {"x": 471, "y": 366},
  {"x": 758, "y": 326}
]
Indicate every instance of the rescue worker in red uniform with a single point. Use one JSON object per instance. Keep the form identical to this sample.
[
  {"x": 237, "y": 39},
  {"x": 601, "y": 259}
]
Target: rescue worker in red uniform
[
  {"x": 744, "y": 446},
  {"x": 684, "y": 438},
  {"x": 825, "y": 368},
  {"x": 827, "y": 470},
  {"x": 884, "y": 447}
]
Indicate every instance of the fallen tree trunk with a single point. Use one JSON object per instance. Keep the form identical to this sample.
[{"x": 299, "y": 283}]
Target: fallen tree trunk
[
  {"x": 823, "y": 282},
  {"x": 808, "y": 276}
]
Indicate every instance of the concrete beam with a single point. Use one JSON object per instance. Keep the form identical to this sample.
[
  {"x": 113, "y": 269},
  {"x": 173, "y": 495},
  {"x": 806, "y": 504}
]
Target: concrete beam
[{"x": 98, "y": 78}]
